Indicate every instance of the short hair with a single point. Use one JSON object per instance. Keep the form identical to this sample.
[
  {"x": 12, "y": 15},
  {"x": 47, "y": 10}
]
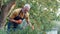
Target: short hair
[{"x": 27, "y": 5}]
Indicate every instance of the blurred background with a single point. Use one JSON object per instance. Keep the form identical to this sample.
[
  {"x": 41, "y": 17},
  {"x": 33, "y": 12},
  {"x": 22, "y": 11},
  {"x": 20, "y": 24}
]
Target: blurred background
[{"x": 44, "y": 14}]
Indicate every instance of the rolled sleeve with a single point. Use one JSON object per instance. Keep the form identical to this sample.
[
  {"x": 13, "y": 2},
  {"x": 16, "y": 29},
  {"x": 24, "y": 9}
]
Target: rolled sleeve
[{"x": 27, "y": 17}]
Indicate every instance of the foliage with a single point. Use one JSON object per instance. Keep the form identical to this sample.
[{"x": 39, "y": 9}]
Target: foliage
[{"x": 42, "y": 15}]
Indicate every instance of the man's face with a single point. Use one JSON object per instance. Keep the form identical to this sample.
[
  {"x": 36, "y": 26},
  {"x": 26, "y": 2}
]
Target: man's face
[{"x": 26, "y": 9}]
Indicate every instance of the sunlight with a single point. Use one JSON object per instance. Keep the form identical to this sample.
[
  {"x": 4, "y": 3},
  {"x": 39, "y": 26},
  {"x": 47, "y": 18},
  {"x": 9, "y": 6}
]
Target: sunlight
[
  {"x": 58, "y": 12},
  {"x": 58, "y": 1}
]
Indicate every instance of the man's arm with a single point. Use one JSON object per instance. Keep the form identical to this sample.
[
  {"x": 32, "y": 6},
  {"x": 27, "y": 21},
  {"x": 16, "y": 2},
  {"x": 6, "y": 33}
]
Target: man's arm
[
  {"x": 28, "y": 22},
  {"x": 12, "y": 20}
]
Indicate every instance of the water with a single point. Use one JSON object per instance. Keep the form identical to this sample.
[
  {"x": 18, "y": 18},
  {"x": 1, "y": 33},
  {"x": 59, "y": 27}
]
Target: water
[{"x": 52, "y": 32}]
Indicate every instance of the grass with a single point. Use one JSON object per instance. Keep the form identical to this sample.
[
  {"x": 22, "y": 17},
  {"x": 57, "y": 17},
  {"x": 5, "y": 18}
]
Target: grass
[{"x": 2, "y": 31}]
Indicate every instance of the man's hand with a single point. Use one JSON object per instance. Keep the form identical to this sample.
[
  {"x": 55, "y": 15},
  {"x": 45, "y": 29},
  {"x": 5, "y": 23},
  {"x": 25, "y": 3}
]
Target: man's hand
[
  {"x": 32, "y": 27},
  {"x": 19, "y": 21}
]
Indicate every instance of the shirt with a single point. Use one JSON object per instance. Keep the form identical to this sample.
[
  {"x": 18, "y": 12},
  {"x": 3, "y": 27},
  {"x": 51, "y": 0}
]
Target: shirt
[{"x": 16, "y": 13}]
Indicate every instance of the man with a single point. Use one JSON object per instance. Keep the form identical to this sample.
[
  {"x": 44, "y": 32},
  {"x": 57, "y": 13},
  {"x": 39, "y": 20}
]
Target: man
[{"x": 17, "y": 16}]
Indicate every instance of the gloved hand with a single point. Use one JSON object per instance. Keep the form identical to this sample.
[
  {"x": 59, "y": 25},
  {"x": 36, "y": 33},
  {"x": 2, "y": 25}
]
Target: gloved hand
[{"x": 19, "y": 21}]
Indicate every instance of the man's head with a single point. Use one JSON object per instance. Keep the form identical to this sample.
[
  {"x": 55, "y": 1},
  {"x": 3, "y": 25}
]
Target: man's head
[{"x": 26, "y": 8}]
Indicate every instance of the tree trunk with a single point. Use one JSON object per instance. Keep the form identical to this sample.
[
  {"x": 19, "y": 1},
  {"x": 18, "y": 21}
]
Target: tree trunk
[{"x": 4, "y": 11}]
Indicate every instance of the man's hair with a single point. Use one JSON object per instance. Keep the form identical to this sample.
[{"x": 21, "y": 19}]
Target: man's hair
[{"x": 27, "y": 5}]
